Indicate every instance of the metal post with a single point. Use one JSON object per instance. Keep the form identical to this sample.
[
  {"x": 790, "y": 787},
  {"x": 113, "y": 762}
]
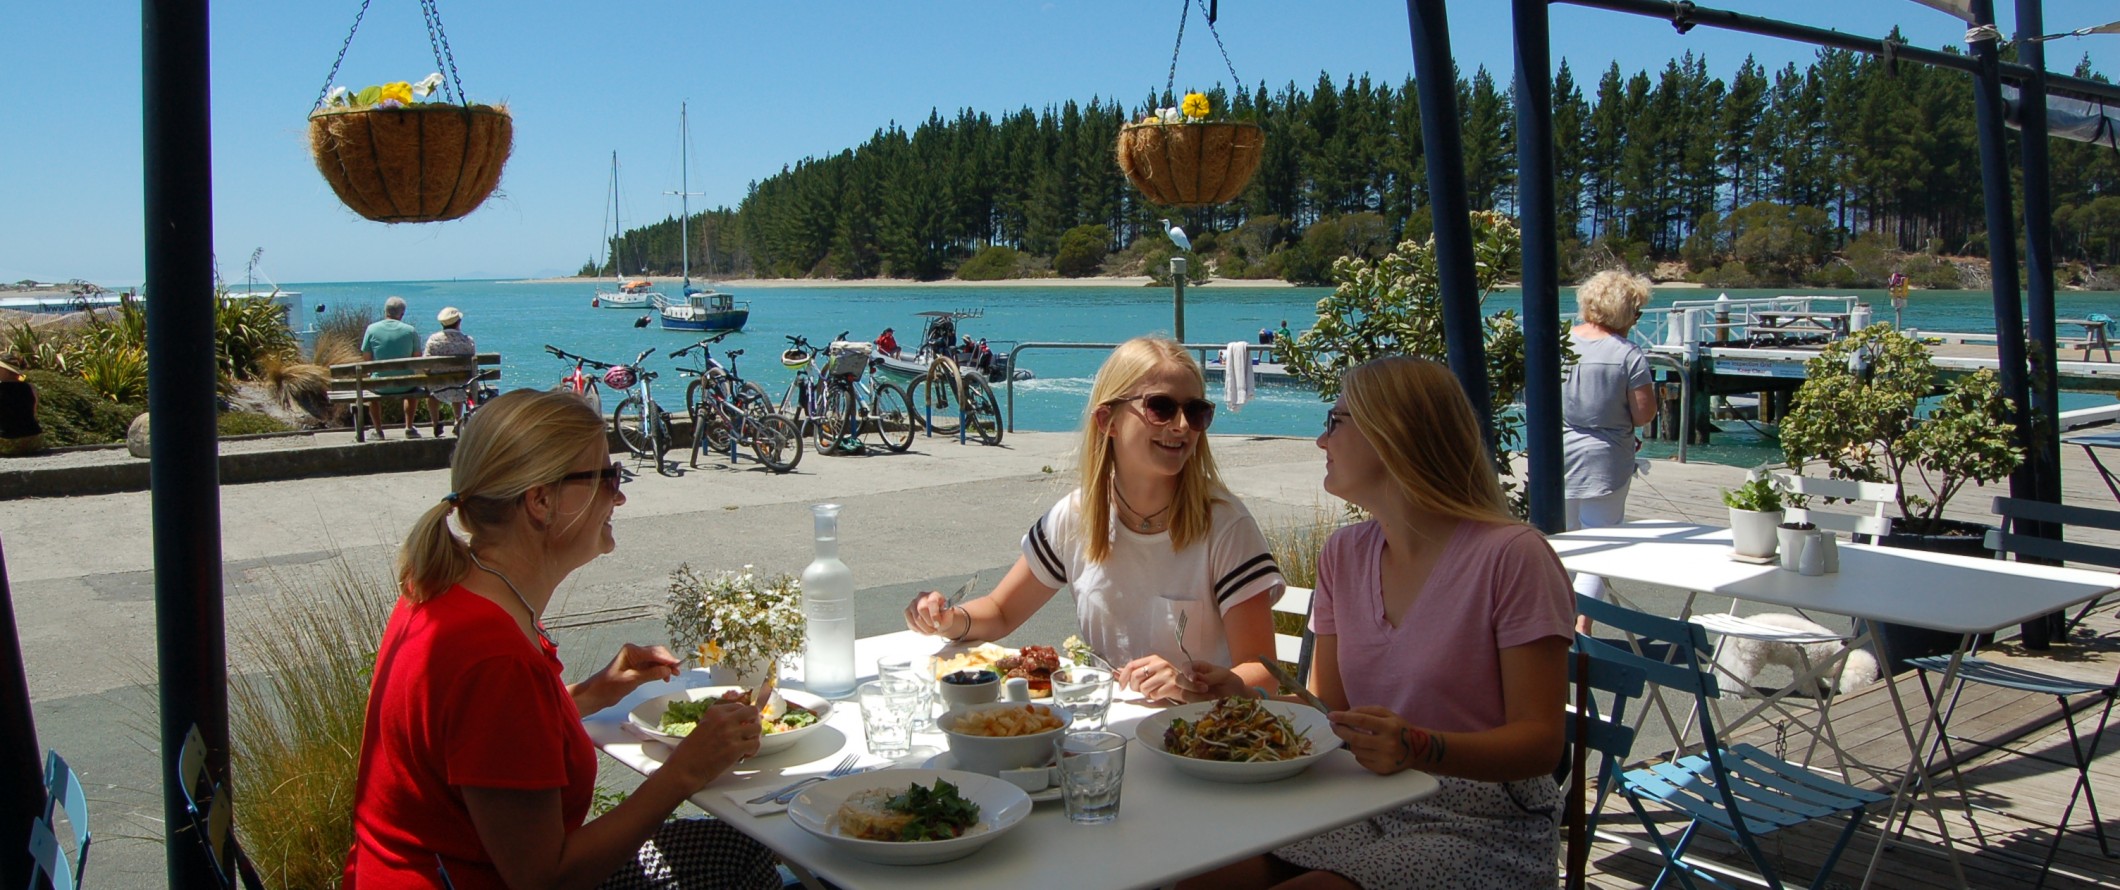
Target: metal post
[
  {"x": 2002, "y": 242},
  {"x": 2042, "y": 441},
  {"x": 191, "y": 650},
  {"x": 19, "y": 763},
  {"x": 1542, "y": 312},
  {"x": 1435, "y": 78},
  {"x": 1177, "y": 296}
]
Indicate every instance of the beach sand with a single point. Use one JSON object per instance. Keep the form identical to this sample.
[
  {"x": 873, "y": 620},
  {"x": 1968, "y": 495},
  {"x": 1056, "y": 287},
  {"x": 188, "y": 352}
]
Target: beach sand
[{"x": 758, "y": 283}]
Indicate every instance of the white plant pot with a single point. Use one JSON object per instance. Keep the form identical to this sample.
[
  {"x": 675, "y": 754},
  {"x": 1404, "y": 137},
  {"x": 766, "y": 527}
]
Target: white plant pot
[
  {"x": 749, "y": 676},
  {"x": 1752, "y": 531}
]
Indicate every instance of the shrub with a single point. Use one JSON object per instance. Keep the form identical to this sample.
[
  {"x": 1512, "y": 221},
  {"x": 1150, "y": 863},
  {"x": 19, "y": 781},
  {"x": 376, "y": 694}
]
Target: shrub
[
  {"x": 247, "y": 423},
  {"x": 1082, "y": 251},
  {"x": 992, "y": 264},
  {"x": 339, "y": 335},
  {"x": 247, "y": 332},
  {"x": 73, "y": 414}
]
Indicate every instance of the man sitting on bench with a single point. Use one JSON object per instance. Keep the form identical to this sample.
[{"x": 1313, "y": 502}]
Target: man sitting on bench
[{"x": 388, "y": 339}]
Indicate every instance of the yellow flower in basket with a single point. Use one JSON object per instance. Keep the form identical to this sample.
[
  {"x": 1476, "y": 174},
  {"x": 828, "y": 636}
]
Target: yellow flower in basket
[
  {"x": 402, "y": 92},
  {"x": 1195, "y": 106}
]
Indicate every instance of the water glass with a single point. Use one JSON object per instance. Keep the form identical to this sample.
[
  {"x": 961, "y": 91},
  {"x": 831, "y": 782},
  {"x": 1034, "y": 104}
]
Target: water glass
[
  {"x": 1085, "y": 693},
  {"x": 887, "y": 717},
  {"x": 1091, "y": 767},
  {"x": 900, "y": 670}
]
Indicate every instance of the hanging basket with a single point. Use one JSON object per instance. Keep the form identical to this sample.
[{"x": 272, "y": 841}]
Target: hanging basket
[
  {"x": 419, "y": 163},
  {"x": 1190, "y": 165}
]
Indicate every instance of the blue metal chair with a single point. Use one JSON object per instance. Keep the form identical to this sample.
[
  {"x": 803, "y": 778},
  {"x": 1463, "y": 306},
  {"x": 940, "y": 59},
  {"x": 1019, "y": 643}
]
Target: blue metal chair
[
  {"x": 1599, "y": 727},
  {"x": 1740, "y": 792},
  {"x": 2010, "y": 540},
  {"x": 213, "y": 816},
  {"x": 62, "y": 794}
]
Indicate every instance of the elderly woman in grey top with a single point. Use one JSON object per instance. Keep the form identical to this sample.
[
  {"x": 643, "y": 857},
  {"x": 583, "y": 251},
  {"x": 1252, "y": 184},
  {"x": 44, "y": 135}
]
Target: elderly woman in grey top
[{"x": 1605, "y": 396}]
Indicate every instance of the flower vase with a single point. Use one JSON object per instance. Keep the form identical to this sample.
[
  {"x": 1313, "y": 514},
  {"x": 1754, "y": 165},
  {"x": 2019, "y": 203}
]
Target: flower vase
[{"x": 748, "y": 676}]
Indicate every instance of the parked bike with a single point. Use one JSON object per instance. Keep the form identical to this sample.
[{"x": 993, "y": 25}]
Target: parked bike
[
  {"x": 577, "y": 382},
  {"x": 710, "y": 373},
  {"x": 720, "y": 422},
  {"x": 950, "y": 399},
  {"x": 642, "y": 424}
]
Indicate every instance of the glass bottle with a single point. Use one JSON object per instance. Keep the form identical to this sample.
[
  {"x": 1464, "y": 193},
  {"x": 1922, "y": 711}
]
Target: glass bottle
[{"x": 828, "y": 611}]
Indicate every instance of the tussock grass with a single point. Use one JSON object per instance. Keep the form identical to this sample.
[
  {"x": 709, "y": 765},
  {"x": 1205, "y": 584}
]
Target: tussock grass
[
  {"x": 296, "y": 724},
  {"x": 1296, "y": 547}
]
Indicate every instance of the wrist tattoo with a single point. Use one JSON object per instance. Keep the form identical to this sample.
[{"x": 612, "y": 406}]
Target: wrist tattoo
[{"x": 1419, "y": 745}]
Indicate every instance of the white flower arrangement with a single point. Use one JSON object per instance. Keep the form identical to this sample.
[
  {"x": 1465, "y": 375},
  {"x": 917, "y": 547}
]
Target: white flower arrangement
[{"x": 740, "y": 617}]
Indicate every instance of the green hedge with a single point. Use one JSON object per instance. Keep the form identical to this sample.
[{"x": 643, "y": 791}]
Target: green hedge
[{"x": 73, "y": 414}]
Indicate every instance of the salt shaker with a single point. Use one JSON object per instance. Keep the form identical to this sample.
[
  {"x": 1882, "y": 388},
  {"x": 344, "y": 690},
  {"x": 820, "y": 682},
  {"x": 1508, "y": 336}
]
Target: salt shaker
[{"x": 1832, "y": 547}]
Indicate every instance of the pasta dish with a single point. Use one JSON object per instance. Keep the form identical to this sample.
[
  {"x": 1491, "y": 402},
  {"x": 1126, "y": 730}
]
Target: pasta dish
[{"x": 1238, "y": 730}]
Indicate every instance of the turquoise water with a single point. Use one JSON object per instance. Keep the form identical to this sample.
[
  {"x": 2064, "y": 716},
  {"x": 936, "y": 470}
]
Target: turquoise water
[{"x": 517, "y": 319}]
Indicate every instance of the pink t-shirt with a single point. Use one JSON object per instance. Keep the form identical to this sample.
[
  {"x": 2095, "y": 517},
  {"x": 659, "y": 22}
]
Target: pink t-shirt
[{"x": 1496, "y": 586}]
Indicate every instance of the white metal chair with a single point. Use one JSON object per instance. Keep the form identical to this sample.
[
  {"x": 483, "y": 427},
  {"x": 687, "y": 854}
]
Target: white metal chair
[
  {"x": 1295, "y": 649},
  {"x": 1872, "y": 521}
]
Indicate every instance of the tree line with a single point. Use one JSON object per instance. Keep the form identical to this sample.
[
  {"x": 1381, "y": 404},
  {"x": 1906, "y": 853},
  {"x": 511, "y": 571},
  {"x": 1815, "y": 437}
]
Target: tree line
[{"x": 1835, "y": 172}]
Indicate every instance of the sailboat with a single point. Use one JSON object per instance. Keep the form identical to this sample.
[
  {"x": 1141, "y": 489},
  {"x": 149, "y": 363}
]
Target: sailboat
[
  {"x": 699, "y": 310},
  {"x": 637, "y": 293}
]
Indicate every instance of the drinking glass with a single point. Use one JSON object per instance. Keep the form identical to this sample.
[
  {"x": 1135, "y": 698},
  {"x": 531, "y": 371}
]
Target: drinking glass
[
  {"x": 900, "y": 670},
  {"x": 887, "y": 717},
  {"x": 1091, "y": 766},
  {"x": 1085, "y": 692}
]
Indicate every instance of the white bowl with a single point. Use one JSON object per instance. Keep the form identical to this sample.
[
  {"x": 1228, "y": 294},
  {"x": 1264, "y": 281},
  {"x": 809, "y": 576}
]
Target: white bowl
[
  {"x": 1001, "y": 807},
  {"x": 989, "y": 755},
  {"x": 647, "y": 716},
  {"x": 1307, "y": 720}
]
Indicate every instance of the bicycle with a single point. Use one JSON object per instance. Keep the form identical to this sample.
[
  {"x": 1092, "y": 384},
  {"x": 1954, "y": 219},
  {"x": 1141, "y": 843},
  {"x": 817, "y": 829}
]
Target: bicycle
[
  {"x": 718, "y": 423},
  {"x": 476, "y": 392},
  {"x": 947, "y": 384},
  {"x": 854, "y": 407},
  {"x": 576, "y": 382},
  {"x": 641, "y": 423},
  {"x": 710, "y": 373}
]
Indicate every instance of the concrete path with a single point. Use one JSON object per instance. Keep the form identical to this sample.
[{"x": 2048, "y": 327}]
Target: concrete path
[{"x": 81, "y": 569}]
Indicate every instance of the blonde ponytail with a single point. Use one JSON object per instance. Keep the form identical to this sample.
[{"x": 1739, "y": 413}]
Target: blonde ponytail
[{"x": 433, "y": 558}]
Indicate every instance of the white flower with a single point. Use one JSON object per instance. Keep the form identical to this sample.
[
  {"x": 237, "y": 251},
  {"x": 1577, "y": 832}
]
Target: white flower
[
  {"x": 339, "y": 96},
  {"x": 1169, "y": 115},
  {"x": 427, "y": 85}
]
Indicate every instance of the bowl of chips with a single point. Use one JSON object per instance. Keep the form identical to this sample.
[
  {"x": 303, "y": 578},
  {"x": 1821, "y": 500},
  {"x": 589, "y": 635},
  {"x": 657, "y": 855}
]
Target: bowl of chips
[{"x": 990, "y": 738}]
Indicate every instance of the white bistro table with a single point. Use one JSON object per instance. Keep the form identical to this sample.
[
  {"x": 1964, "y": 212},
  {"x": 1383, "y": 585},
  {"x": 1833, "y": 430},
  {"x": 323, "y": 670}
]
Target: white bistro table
[
  {"x": 1170, "y": 825},
  {"x": 1963, "y": 595}
]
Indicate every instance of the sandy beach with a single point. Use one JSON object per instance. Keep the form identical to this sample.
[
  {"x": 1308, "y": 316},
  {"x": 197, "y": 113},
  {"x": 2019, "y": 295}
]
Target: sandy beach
[{"x": 755, "y": 283}]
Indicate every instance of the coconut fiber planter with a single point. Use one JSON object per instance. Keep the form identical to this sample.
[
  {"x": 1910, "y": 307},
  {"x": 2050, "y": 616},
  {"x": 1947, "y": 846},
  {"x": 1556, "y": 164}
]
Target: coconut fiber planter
[
  {"x": 1190, "y": 165},
  {"x": 419, "y": 163}
]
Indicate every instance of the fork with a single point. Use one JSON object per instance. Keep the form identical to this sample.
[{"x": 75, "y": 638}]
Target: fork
[
  {"x": 1179, "y": 610},
  {"x": 845, "y": 766},
  {"x": 958, "y": 597}
]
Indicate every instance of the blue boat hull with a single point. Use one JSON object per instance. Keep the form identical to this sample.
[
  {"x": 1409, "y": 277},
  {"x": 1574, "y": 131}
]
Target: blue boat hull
[{"x": 721, "y": 320}]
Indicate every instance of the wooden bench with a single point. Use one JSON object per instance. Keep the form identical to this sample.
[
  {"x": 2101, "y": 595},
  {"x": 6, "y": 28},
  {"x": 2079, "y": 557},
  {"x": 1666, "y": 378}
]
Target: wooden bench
[
  {"x": 2093, "y": 337},
  {"x": 358, "y": 382}
]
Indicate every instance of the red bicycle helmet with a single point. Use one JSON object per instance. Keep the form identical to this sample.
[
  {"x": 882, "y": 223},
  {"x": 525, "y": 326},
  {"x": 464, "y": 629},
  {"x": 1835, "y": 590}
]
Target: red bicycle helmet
[{"x": 619, "y": 377}]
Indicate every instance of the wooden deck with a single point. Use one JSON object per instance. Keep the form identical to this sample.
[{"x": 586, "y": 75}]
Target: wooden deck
[{"x": 2015, "y": 800}]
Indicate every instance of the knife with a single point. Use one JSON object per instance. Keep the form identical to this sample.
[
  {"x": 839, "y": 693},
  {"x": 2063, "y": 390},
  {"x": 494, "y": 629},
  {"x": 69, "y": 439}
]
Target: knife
[{"x": 1281, "y": 676}]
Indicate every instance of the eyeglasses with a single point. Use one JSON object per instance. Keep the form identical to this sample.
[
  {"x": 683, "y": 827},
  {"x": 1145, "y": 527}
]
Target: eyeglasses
[
  {"x": 611, "y": 476},
  {"x": 1161, "y": 409},
  {"x": 1333, "y": 418}
]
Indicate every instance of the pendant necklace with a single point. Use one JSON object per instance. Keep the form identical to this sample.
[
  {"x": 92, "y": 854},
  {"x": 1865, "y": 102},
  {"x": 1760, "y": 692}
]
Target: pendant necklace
[
  {"x": 540, "y": 628},
  {"x": 1148, "y": 520}
]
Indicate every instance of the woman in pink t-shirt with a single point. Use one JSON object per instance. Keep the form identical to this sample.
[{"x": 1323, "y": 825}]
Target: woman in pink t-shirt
[{"x": 1460, "y": 618}]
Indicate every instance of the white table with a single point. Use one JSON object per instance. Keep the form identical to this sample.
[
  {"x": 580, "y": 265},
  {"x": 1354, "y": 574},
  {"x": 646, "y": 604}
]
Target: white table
[
  {"x": 1170, "y": 825},
  {"x": 1957, "y": 594}
]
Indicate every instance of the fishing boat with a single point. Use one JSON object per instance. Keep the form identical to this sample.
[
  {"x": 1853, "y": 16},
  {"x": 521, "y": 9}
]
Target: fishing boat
[
  {"x": 699, "y": 309},
  {"x": 638, "y": 293},
  {"x": 940, "y": 336}
]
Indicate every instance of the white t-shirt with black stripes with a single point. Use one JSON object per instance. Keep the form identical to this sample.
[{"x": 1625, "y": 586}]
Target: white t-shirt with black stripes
[{"x": 1119, "y": 603}]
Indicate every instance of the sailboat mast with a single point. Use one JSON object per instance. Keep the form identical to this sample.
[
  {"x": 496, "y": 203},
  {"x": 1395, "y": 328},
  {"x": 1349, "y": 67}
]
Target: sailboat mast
[
  {"x": 684, "y": 192},
  {"x": 618, "y": 275}
]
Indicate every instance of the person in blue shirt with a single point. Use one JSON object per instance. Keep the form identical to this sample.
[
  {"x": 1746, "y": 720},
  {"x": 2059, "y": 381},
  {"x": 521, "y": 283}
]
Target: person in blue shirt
[{"x": 388, "y": 339}]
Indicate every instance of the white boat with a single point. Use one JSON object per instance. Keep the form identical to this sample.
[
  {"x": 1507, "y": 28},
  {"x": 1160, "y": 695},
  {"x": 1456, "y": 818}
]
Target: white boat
[
  {"x": 699, "y": 310},
  {"x": 638, "y": 293},
  {"x": 939, "y": 334}
]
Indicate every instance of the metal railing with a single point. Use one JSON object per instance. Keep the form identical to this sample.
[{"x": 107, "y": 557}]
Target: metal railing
[{"x": 1202, "y": 348}]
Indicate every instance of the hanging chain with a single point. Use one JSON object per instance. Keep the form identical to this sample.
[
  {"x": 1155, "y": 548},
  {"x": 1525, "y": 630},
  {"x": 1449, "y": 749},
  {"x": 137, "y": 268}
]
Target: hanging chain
[
  {"x": 1171, "y": 82},
  {"x": 443, "y": 56},
  {"x": 1235, "y": 82},
  {"x": 328, "y": 78}
]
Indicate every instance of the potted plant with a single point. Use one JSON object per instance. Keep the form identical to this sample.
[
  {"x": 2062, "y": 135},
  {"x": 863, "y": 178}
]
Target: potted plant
[
  {"x": 1865, "y": 411},
  {"x": 1755, "y": 513},
  {"x": 738, "y": 625},
  {"x": 398, "y": 152},
  {"x": 1178, "y": 157}
]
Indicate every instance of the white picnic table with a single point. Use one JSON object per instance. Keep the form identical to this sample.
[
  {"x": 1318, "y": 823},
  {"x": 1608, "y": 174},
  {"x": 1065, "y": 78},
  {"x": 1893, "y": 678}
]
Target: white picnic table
[
  {"x": 1170, "y": 825},
  {"x": 1962, "y": 595}
]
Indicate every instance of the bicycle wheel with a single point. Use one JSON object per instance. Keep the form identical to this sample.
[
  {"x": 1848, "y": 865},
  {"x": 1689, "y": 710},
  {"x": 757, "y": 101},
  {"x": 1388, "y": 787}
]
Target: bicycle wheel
[
  {"x": 939, "y": 395},
  {"x": 695, "y": 392},
  {"x": 753, "y": 399},
  {"x": 715, "y": 418},
  {"x": 631, "y": 423},
  {"x": 659, "y": 436},
  {"x": 699, "y": 433},
  {"x": 981, "y": 411},
  {"x": 833, "y": 422},
  {"x": 891, "y": 417},
  {"x": 777, "y": 441}
]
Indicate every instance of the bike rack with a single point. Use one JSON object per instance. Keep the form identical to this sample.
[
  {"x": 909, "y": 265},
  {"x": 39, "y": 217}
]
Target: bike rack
[{"x": 1202, "y": 348}]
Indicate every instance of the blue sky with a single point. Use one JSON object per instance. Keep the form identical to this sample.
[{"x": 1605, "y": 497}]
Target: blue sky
[{"x": 768, "y": 82}]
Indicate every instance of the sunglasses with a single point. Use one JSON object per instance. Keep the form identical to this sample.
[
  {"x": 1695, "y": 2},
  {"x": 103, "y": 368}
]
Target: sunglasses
[
  {"x": 1333, "y": 419},
  {"x": 1160, "y": 409},
  {"x": 611, "y": 476}
]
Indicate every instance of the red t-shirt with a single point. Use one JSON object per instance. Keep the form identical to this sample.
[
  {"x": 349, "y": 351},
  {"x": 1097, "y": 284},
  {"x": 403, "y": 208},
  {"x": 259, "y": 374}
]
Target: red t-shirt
[{"x": 458, "y": 699}]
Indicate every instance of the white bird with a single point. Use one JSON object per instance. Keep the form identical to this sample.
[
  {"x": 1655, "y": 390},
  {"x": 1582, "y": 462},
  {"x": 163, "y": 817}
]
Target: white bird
[{"x": 1177, "y": 236}]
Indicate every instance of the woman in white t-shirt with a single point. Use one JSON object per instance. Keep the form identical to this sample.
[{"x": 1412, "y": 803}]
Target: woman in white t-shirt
[{"x": 1150, "y": 533}]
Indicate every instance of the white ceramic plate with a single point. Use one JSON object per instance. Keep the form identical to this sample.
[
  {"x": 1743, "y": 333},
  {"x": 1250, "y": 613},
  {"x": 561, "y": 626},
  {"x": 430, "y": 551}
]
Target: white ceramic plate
[
  {"x": 1002, "y": 806},
  {"x": 647, "y": 716},
  {"x": 944, "y": 761},
  {"x": 1307, "y": 720}
]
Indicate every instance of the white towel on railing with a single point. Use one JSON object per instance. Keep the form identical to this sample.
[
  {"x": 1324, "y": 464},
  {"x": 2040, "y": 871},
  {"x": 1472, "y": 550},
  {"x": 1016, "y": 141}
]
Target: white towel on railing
[{"x": 1236, "y": 375}]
